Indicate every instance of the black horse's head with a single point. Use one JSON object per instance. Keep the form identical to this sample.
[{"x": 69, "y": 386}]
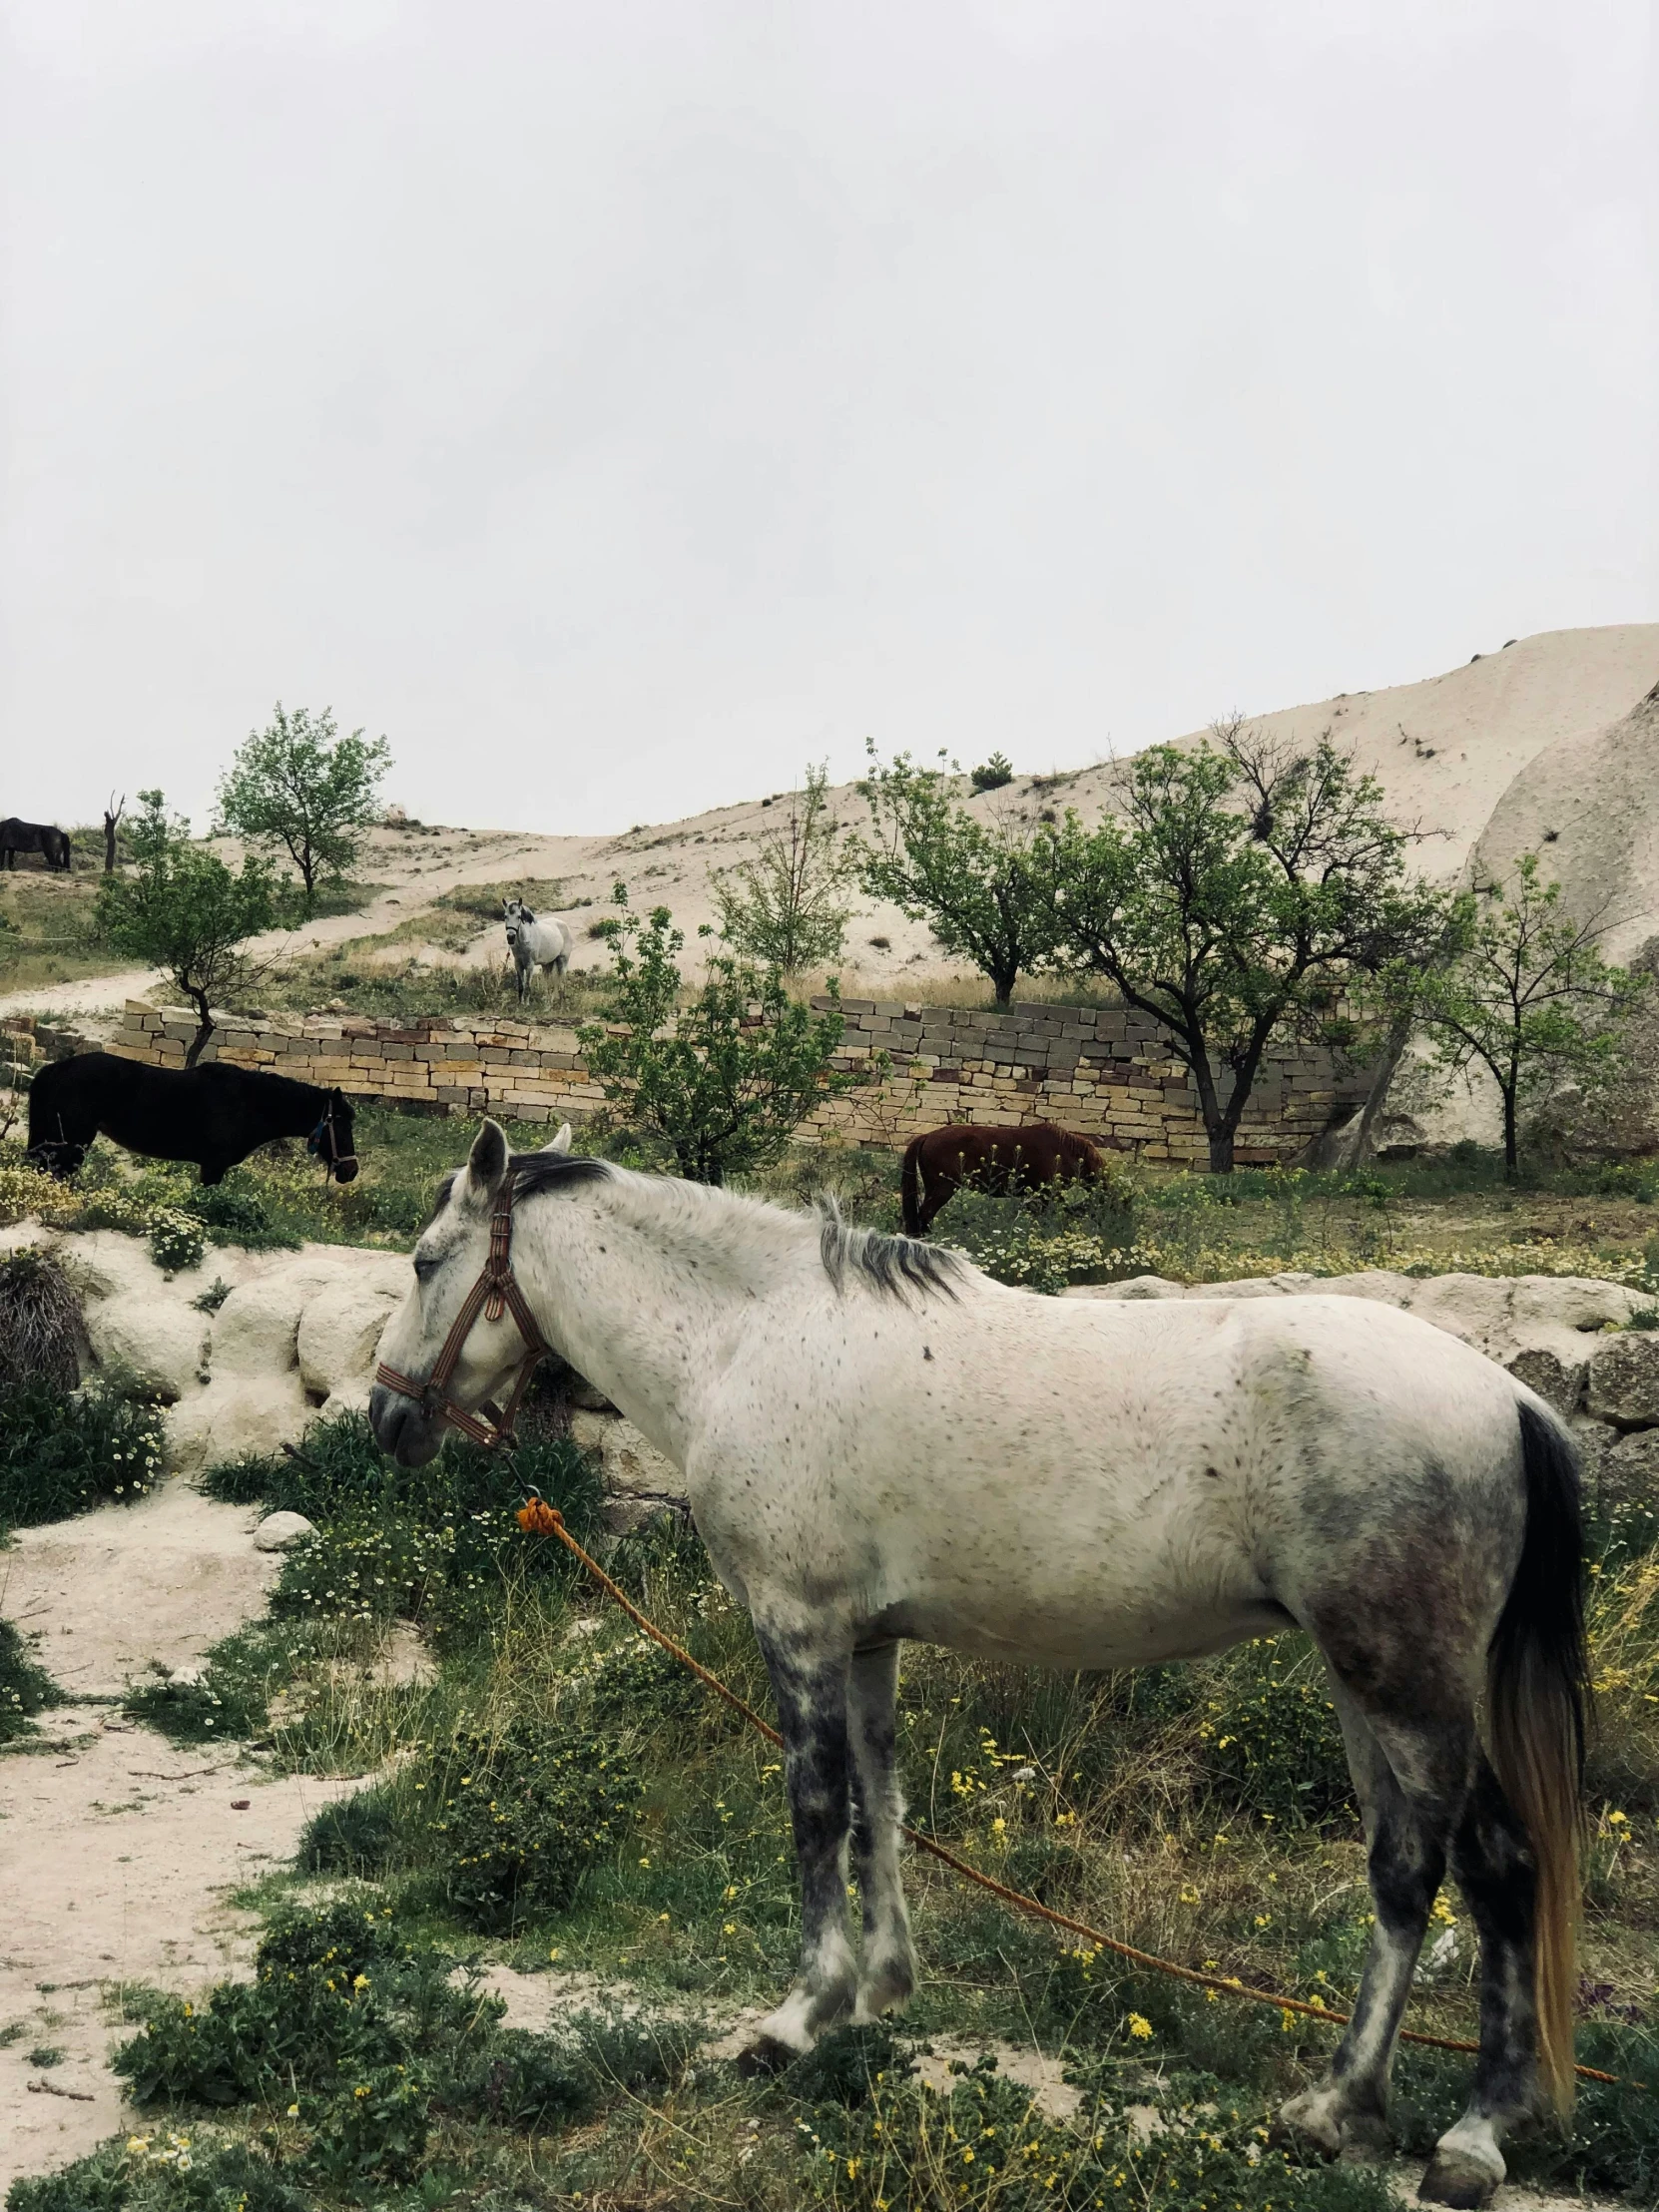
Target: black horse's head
[{"x": 331, "y": 1140}]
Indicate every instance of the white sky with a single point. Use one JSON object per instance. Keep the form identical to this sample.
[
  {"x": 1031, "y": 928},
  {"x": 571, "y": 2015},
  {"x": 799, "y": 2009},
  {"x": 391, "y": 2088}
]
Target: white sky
[{"x": 618, "y": 405}]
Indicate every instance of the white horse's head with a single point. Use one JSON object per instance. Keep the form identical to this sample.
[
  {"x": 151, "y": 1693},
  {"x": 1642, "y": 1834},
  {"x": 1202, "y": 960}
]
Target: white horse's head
[{"x": 452, "y": 1254}]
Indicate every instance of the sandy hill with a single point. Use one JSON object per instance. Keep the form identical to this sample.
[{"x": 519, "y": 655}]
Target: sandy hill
[
  {"x": 1551, "y": 733},
  {"x": 1546, "y": 726}
]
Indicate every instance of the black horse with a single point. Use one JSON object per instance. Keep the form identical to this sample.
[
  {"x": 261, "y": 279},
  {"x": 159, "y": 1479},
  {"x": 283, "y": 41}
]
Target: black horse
[
  {"x": 214, "y": 1115},
  {"x": 33, "y": 836}
]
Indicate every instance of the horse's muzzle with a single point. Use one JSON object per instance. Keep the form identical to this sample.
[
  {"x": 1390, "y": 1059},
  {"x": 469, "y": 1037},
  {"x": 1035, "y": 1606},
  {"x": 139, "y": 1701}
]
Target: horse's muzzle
[
  {"x": 345, "y": 1171},
  {"x": 402, "y": 1429}
]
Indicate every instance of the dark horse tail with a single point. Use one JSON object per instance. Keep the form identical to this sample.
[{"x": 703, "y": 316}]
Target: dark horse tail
[
  {"x": 1536, "y": 1690},
  {"x": 908, "y": 1188}
]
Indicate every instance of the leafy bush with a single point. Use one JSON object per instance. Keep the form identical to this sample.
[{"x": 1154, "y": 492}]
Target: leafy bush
[
  {"x": 526, "y": 1817},
  {"x": 236, "y": 1212},
  {"x": 176, "y": 1240},
  {"x": 1271, "y": 1742},
  {"x": 358, "y": 1835},
  {"x": 423, "y": 1543},
  {"x": 370, "y": 2130},
  {"x": 62, "y": 1452},
  {"x": 25, "y": 1688},
  {"x": 994, "y": 774},
  {"x": 1049, "y": 1239}
]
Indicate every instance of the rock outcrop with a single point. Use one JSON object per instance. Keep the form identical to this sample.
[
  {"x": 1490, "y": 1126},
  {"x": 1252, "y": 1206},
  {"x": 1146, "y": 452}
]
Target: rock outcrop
[{"x": 1566, "y": 1337}]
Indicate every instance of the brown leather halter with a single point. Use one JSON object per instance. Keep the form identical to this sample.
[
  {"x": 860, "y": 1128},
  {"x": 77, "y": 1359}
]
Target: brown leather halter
[{"x": 495, "y": 1293}]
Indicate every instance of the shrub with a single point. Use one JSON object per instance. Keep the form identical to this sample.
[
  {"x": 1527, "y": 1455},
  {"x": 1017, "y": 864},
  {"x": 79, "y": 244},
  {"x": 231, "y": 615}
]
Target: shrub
[
  {"x": 177, "y": 1240},
  {"x": 994, "y": 774},
  {"x": 25, "y": 1688},
  {"x": 374, "y": 2129},
  {"x": 61, "y": 1453},
  {"x": 358, "y": 1835},
  {"x": 40, "y": 1323},
  {"x": 1270, "y": 1734},
  {"x": 528, "y": 1815},
  {"x": 236, "y": 1212},
  {"x": 1048, "y": 1238}
]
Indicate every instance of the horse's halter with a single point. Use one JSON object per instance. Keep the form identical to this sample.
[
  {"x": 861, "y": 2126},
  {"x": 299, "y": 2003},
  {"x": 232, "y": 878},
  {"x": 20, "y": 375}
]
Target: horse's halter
[
  {"x": 495, "y": 1292},
  {"x": 337, "y": 1159}
]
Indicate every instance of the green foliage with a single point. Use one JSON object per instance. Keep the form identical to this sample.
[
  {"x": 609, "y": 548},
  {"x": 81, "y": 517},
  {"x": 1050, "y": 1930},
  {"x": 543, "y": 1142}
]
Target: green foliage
[
  {"x": 356, "y": 1835},
  {"x": 236, "y": 1212},
  {"x": 1247, "y": 888},
  {"x": 25, "y": 1687},
  {"x": 303, "y": 788},
  {"x": 985, "y": 2147},
  {"x": 1272, "y": 1744},
  {"x": 176, "y": 1241},
  {"x": 985, "y": 889},
  {"x": 62, "y": 1452},
  {"x": 183, "y": 910},
  {"x": 781, "y": 907},
  {"x": 230, "y": 1693},
  {"x": 1048, "y": 1238},
  {"x": 725, "y": 1078},
  {"x": 370, "y": 2130},
  {"x": 994, "y": 773},
  {"x": 435, "y": 1544},
  {"x": 1529, "y": 996},
  {"x": 526, "y": 1818}
]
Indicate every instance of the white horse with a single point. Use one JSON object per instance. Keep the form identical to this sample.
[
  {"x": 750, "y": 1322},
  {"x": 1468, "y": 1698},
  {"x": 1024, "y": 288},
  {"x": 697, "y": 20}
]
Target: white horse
[
  {"x": 879, "y": 1443},
  {"x": 535, "y": 943}
]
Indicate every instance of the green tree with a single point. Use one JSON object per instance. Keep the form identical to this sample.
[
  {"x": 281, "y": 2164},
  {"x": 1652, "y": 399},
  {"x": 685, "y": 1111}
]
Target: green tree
[
  {"x": 991, "y": 774},
  {"x": 182, "y": 910},
  {"x": 984, "y": 888},
  {"x": 1529, "y": 999},
  {"x": 782, "y": 906},
  {"x": 728, "y": 1075},
  {"x": 300, "y": 787},
  {"x": 1247, "y": 886}
]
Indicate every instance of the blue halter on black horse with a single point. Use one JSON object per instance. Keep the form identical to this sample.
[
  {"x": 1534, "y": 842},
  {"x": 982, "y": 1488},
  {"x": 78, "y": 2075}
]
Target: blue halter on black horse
[{"x": 214, "y": 1115}]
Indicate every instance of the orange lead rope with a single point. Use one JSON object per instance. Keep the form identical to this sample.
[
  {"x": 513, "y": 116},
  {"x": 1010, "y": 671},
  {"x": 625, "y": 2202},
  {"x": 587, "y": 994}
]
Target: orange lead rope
[{"x": 537, "y": 1519}]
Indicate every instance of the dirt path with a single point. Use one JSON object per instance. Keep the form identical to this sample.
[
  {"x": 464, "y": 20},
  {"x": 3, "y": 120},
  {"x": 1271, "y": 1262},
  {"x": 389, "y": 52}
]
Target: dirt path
[{"x": 118, "y": 1851}]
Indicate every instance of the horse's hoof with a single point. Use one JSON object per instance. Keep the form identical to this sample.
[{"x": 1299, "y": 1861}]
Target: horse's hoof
[
  {"x": 1321, "y": 2118},
  {"x": 764, "y": 2056},
  {"x": 1463, "y": 2175}
]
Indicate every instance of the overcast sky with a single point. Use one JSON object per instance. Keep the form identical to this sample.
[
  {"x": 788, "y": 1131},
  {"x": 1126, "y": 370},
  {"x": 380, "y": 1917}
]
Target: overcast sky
[{"x": 619, "y": 405}]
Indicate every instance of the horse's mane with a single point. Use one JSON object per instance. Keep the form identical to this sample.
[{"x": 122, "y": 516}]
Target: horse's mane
[{"x": 891, "y": 1265}]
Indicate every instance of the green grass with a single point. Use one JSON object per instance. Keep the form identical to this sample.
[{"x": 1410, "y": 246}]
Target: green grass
[
  {"x": 63, "y": 1452},
  {"x": 25, "y": 1687}
]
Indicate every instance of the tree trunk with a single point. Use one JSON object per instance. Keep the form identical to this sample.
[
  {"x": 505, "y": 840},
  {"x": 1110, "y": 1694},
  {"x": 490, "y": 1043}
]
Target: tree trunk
[
  {"x": 205, "y": 1027},
  {"x": 308, "y": 869},
  {"x": 1221, "y": 1151},
  {"x": 1511, "y": 1150},
  {"x": 1003, "y": 985},
  {"x": 109, "y": 843}
]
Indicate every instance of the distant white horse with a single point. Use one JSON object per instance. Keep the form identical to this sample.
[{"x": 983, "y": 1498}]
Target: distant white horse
[
  {"x": 534, "y": 944},
  {"x": 879, "y": 1441}
]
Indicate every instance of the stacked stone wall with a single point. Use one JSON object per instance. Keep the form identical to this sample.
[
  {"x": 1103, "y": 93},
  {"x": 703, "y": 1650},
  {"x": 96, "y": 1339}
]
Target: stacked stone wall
[{"x": 1100, "y": 1071}]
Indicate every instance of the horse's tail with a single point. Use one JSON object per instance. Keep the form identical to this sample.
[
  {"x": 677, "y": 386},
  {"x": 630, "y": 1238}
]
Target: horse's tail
[
  {"x": 910, "y": 1188},
  {"x": 1536, "y": 1681}
]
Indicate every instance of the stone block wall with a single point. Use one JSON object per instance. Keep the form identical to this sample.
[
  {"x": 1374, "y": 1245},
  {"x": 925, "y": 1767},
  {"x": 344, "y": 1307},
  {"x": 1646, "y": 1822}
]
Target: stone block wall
[{"x": 1099, "y": 1070}]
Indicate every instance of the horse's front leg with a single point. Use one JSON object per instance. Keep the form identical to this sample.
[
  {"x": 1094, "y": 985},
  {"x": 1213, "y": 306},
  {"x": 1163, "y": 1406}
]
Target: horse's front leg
[
  {"x": 888, "y": 1970},
  {"x": 810, "y": 1682}
]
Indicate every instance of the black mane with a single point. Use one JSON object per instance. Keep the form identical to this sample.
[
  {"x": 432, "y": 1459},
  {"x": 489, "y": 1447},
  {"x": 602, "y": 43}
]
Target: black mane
[{"x": 892, "y": 1264}]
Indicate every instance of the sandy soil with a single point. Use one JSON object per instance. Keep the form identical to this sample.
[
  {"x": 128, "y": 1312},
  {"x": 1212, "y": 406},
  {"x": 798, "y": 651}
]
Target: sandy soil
[{"x": 119, "y": 1851}]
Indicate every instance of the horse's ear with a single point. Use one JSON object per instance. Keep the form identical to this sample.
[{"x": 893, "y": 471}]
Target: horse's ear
[
  {"x": 487, "y": 1160},
  {"x": 561, "y": 1143}
]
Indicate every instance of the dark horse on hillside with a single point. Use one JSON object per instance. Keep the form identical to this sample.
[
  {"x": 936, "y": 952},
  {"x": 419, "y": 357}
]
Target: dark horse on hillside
[
  {"x": 214, "y": 1115},
  {"x": 33, "y": 836},
  {"x": 941, "y": 1160}
]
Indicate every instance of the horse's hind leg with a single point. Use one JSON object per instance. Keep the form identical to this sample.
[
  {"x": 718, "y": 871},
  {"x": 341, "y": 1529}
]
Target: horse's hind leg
[
  {"x": 888, "y": 1970},
  {"x": 1493, "y": 1862},
  {"x": 810, "y": 1683},
  {"x": 1411, "y": 1777}
]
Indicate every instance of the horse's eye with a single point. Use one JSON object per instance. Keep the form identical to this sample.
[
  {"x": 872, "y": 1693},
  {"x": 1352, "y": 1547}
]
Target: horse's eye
[{"x": 426, "y": 1265}]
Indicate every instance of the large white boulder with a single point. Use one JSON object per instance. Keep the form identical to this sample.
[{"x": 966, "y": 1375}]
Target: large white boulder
[
  {"x": 640, "y": 1481},
  {"x": 340, "y": 1327},
  {"x": 161, "y": 1343},
  {"x": 1624, "y": 1378}
]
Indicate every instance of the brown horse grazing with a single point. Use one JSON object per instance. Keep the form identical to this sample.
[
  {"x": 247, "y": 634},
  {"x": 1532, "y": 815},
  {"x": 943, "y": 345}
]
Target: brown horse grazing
[{"x": 941, "y": 1160}]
